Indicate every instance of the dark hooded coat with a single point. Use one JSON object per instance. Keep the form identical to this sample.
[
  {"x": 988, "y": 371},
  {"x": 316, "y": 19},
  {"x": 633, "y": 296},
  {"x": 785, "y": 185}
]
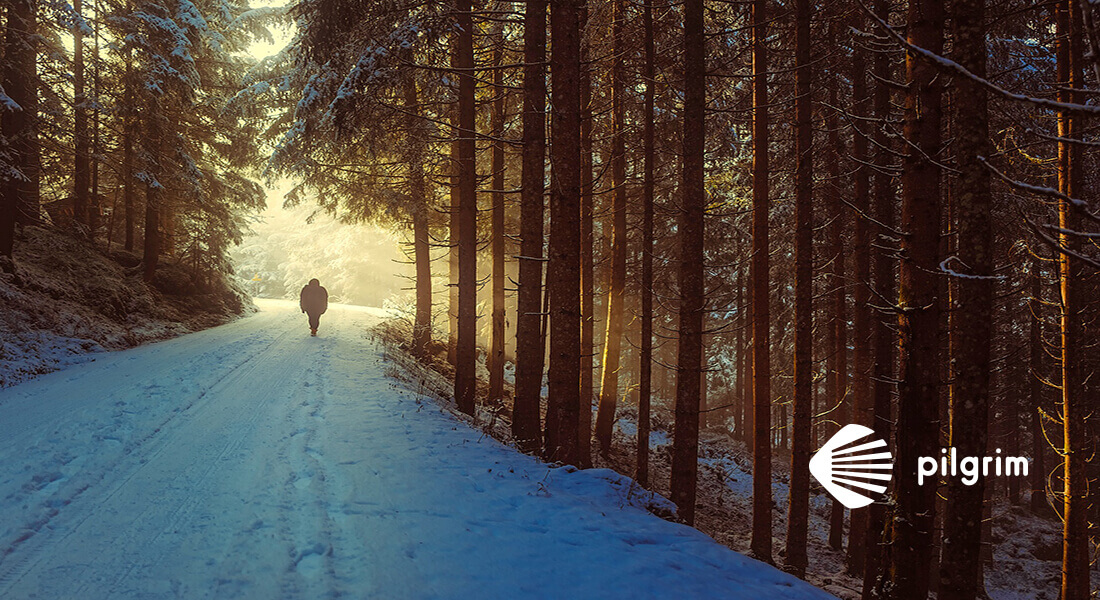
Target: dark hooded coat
[{"x": 314, "y": 298}]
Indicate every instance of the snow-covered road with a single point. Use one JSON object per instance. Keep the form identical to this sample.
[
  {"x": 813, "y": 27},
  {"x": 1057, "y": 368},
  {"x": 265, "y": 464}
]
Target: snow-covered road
[{"x": 252, "y": 461}]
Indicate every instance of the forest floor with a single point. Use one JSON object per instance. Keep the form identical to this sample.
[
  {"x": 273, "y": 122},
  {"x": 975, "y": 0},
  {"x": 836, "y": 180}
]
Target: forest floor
[
  {"x": 1026, "y": 558},
  {"x": 253, "y": 461},
  {"x": 68, "y": 299}
]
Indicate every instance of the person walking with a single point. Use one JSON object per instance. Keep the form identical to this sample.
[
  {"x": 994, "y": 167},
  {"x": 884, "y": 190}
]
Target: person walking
[{"x": 314, "y": 302}]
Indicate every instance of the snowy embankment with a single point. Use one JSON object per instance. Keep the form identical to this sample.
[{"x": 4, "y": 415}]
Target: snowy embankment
[
  {"x": 252, "y": 461},
  {"x": 68, "y": 298}
]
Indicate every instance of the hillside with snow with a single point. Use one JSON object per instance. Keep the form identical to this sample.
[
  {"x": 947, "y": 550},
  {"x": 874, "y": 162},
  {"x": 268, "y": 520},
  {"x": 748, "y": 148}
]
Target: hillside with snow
[{"x": 68, "y": 298}]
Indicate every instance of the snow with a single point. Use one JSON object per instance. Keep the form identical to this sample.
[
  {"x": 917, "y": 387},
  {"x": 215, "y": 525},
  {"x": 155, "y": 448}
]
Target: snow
[
  {"x": 944, "y": 268},
  {"x": 70, "y": 299},
  {"x": 7, "y": 103},
  {"x": 629, "y": 429},
  {"x": 250, "y": 460}
]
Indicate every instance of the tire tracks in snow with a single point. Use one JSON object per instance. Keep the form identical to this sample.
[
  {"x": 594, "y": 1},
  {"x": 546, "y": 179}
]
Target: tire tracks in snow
[
  {"x": 235, "y": 438},
  {"x": 39, "y": 536}
]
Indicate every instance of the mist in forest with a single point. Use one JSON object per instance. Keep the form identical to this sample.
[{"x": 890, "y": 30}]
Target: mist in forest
[{"x": 286, "y": 247}]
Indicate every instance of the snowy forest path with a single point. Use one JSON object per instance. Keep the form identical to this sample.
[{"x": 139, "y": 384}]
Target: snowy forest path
[{"x": 254, "y": 461}]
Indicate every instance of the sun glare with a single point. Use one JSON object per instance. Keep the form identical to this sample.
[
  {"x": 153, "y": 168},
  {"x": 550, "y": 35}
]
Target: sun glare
[{"x": 281, "y": 34}]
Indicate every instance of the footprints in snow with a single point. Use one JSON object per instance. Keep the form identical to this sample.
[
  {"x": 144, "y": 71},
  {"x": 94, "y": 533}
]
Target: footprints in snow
[{"x": 310, "y": 563}]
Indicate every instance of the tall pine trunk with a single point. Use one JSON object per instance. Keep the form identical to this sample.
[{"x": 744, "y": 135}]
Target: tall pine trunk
[
  {"x": 745, "y": 383},
  {"x": 81, "y": 157},
  {"x": 645, "y": 368},
  {"x": 1036, "y": 376},
  {"x": 685, "y": 441},
  {"x": 885, "y": 341},
  {"x": 495, "y": 361},
  {"x": 960, "y": 564},
  {"x": 799, "y": 498},
  {"x": 454, "y": 191},
  {"x": 739, "y": 358},
  {"x": 94, "y": 208},
  {"x": 609, "y": 377},
  {"x": 128, "y": 149},
  {"x": 919, "y": 310},
  {"x": 1075, "y": 541},
  {"x": 837, "y": 339},
  {"x": 19, "y": 196},
  {"x": 862, "y": 401},
  {"x": 466, "y": 344},
  {"x": 563, "y": 272},
  {"x": 761, "y": 544},
  {"x": 530, "y": 342},
  {"x": 588, "y": 289},
  {"x": 154, "y": 189},
  {"x": 422, "y": 325}
]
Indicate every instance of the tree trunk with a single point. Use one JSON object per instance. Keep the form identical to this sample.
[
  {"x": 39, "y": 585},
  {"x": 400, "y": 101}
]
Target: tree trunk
[
  {"x": 862, "y": 401},
  {"x": 153, "y": 190},
  {"x": 128, "y": 148},
  {"x": 422, "y": 325},
  {"x": 885, "y": 339},
  {"x": 761, "y": 545},
  {"x": 81, "y": 164},
  {"x": 747, "y": 356},
  {"x": 919, "y": 309},
  {"x": 563, "y": 272},
  {"x": 685, "y": 441},
  {"x": 1075, "y": 542},
  {"x": 1036, "y": 375},
  {"x": 837, "y": 337},
  {"x": 876, "y": 535},
  {"x": 18, "y": 197},
  {"x": 703, "y": 410},
  {"x": 466, "y": 345},
  {"x": 609, "y": 377},
  {"x": 452, "y": 242},
  {"x": 496, "y": 343},
  {"x": 645, "y": 385},
  {"x": 530, "y": 342},
  {"x": 94, "y": 207},
  {"x": 960, "y": 563},
  {"x": 588, "y": 293},
  {"x": 740, "y": 410},
  {"x": 799, "y": 497}
]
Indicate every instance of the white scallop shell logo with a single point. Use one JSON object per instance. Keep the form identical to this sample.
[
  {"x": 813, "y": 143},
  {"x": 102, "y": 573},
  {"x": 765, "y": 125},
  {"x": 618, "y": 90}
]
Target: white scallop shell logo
[{"x": 843, "y": 468}]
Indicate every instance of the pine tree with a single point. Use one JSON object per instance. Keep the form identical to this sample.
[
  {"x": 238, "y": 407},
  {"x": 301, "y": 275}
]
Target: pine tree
[
  {"x": 530, "y": 341},
  {"x": 563, "y": 271},
  {"x": 836, "y": 344},
  {"x": 588, "y": 283},
  {"x": 969, "y": 412},
  {"x": 919, "y": 309},
  {"x": 761, "y": 338},
  {"x": 645, "y": 368},
  {"x": 799, "y": 499},
  {"x": 885, "y": 339},
  {"x": 496, "y": 342},
  {"x": 609, "y": 379},
  {"x": 862, "y": 401},
  {"x": 466, "y": 349},
  {"x": 82, "y": 156},
  {"x": 19, "y": 103},
  {"x": 685, "y": 449},
  {"x": 1075, "y": 547}
]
